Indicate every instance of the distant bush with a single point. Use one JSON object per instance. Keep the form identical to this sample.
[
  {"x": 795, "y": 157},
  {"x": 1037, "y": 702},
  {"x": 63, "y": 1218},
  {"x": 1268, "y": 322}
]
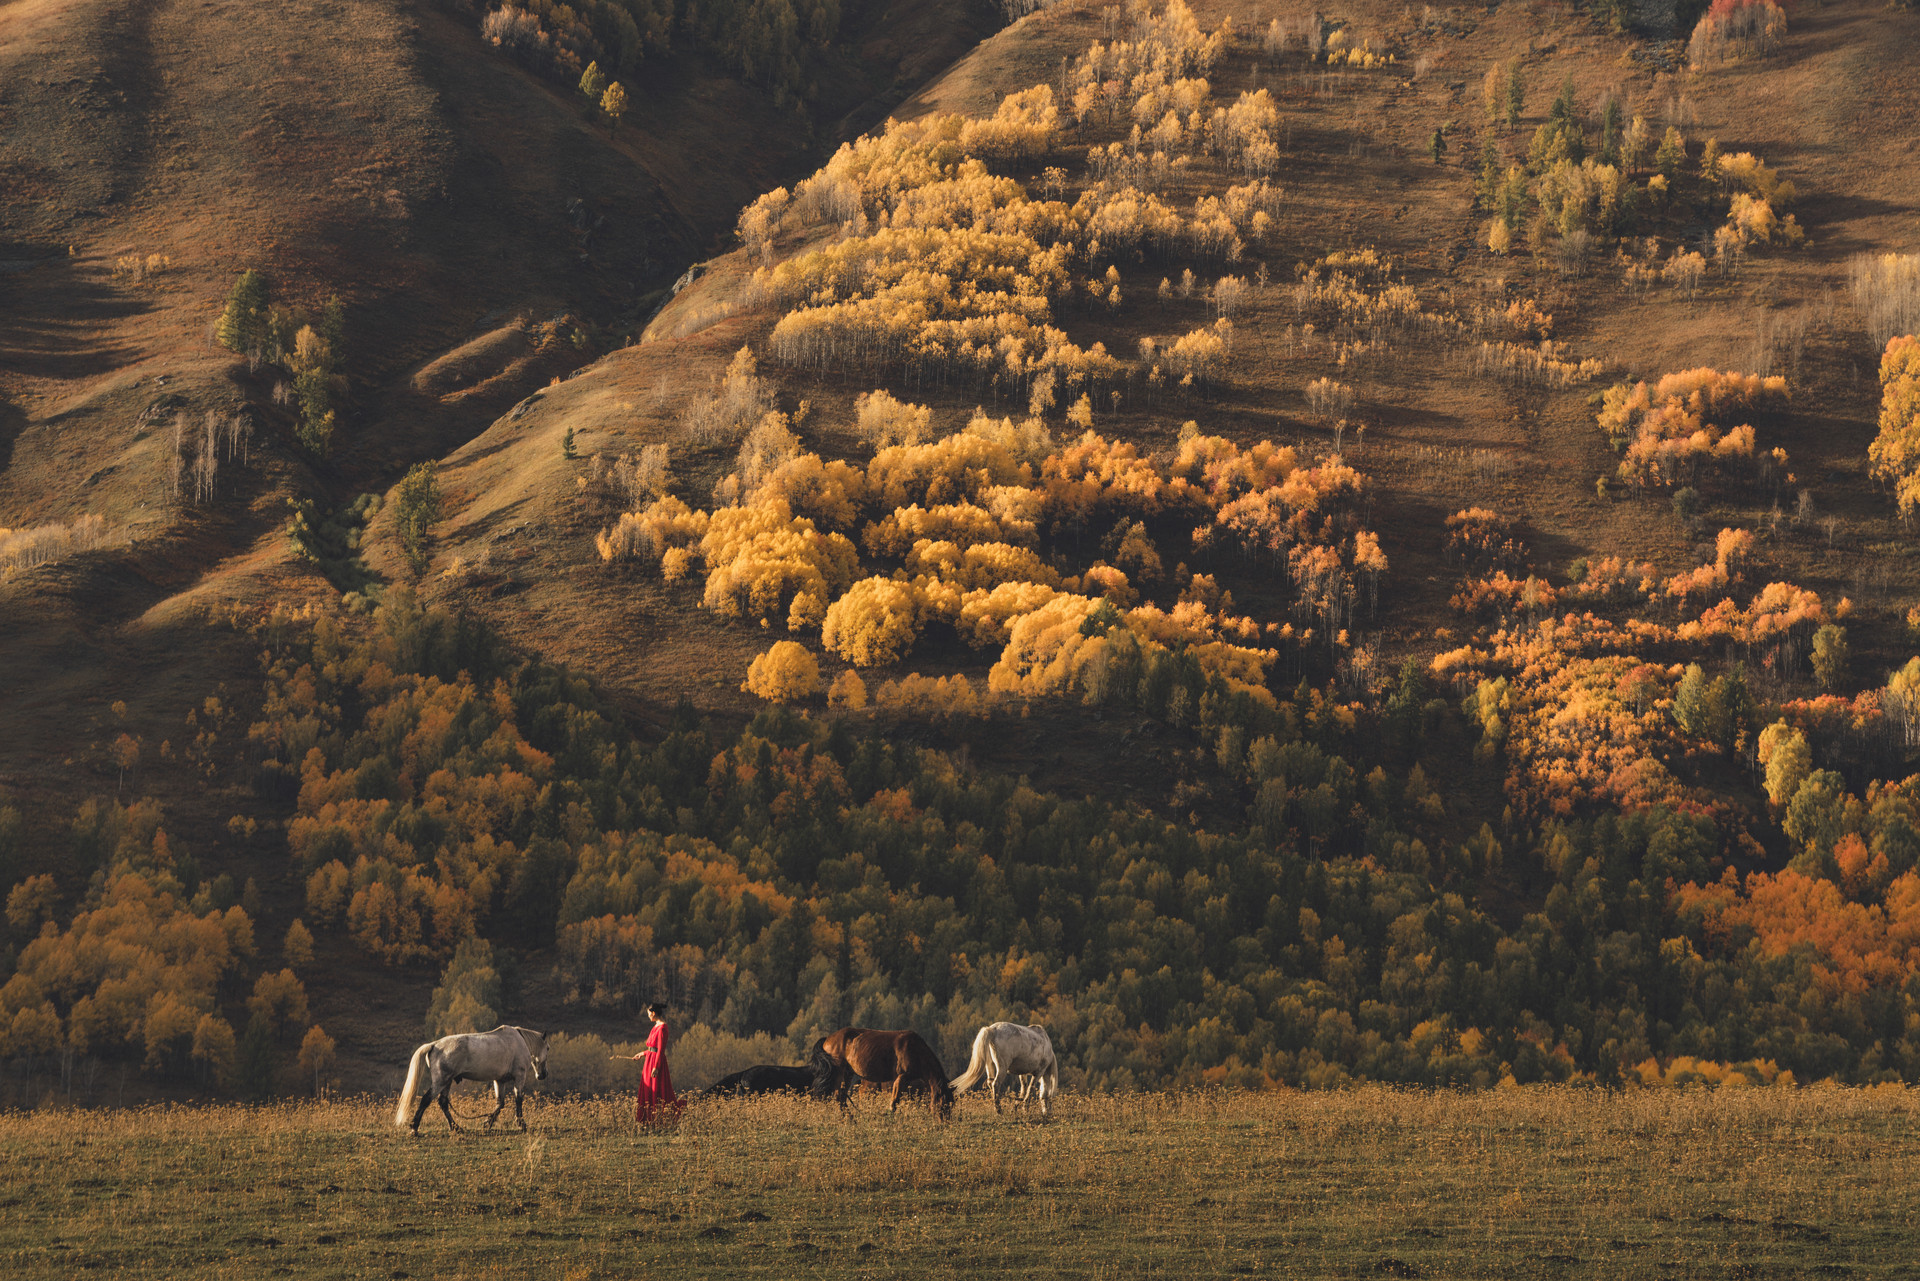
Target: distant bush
[
  {"x": 936, "y": 699},
  {"x": 1671, "y": 430},
  {"x": 1022, "y": 127},
  {"x": 876, "y": 622},
  {"x": 242, "y": 327},
  {"x": 1733, "y": 30},
  {"x": 848, "y": 692},
  {"x": 654, "y": 535},
  {"x": 763, "y": 562},
  {"x": 785, "y": 673},
  {"x": 251, "y": 326}
]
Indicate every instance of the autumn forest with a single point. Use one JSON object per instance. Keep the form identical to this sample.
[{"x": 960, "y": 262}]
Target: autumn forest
[{"x": 1072, "y": 554}]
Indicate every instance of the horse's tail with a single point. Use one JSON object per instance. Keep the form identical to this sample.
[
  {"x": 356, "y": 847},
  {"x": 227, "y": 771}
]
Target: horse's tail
[
  {"x": 823, "y": 1067},
  {"x": 976, "y": 1067},
  {"x": 413, "y": 1080}
]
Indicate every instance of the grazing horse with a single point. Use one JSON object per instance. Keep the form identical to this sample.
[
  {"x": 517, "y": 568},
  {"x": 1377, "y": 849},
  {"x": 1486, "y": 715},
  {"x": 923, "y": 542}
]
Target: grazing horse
[
  {"x": 1004, "y": 1051},
  {"x": 504, "y": 1056},
  {"x": 857, "y": 1053},
  {"x": 767, "y": 1078}
]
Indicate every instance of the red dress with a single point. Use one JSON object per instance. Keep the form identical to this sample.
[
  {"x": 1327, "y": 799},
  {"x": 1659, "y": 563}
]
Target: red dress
[{"x": 655, "y": 1101}]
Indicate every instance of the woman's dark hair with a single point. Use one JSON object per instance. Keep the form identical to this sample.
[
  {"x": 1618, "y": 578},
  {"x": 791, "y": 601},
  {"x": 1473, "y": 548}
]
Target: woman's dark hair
[{"x": 655, "y": 1010}]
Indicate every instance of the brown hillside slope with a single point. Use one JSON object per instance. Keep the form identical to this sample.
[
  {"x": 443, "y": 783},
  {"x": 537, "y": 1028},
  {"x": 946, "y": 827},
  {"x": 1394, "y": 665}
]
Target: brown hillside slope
[
  {"x": 1828, "y": 111},
  {"x": 375, "y": 150}
]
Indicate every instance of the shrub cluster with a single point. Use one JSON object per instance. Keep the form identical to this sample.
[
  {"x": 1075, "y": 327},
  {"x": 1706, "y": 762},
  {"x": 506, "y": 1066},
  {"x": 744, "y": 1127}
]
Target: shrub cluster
[{"x": 1674, "y": 431}]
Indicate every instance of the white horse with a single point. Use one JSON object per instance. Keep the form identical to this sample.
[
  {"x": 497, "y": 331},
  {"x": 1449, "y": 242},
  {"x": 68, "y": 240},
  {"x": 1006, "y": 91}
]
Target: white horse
[
  {"x": 1005, "y": 1051},
  {"x": 503, "y": 1056}
]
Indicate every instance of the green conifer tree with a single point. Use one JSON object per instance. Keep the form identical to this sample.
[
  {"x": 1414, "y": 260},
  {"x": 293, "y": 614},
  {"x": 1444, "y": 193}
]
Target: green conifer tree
[
  {"x": 242, "y": 326},
  {"x": 419, "y": 509},
  {"x": 1673, "y": 150}
]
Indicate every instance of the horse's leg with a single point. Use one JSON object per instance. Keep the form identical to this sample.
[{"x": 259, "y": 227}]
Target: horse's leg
[
  {"x": 426, "y": 1094},
  {"x": 518, "y": 1115},
  {"x": 499, "y": 1102},
  {"x": 444, "y": 1109},
  {"x": 899, "y": 1083},
  {"x": 844, "y": 1075}
]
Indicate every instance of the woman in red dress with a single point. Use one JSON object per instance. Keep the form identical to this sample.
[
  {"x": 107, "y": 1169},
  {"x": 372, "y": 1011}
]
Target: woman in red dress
[{"x": 655, "y": 1102}]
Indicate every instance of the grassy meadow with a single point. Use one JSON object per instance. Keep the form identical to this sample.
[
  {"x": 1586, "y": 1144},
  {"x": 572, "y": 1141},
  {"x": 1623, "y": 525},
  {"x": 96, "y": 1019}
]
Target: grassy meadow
[{"x": 1547, "y": 1182}]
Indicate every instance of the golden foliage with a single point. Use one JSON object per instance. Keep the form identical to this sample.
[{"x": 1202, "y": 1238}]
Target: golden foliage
[
  {"x": 931, "y": 698},
  {"x": 944, "y": 471},
  {"x": 1670, "y": 430},
  {"x": 1222, "y": 472},
  {"x": 881, "y": 421},
  {"x": 785, "y": 673},
  {"x": 829, "y": 493},
  {"x": 848, "y": 692},
  {"x": 985, "y": 613},
  {"x": 764, "y": 561},
  {"x": 1895, "y": 452},
  {"x": 875, "y": 622},
  {"x": 665, "y": 525},
  {"x": 140, "y": 965},
  {"x": 980, "y": 565},
  {"x": 961, "y": 523}
]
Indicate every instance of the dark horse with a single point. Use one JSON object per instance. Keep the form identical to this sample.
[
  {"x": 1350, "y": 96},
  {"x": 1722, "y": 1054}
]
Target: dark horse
[
  {"x": 862, "y": 1054},
  {"x": 767, "y": 1078}
]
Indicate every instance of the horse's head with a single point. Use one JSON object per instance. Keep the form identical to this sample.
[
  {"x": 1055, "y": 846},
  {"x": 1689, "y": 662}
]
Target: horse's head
[
  {"x": 942, "y": 1096},
  {"x": 537, "y": 1047}
]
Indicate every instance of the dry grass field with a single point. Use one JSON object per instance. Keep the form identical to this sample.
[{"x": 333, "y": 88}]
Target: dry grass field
[{"x": 1371, "y": 1182}]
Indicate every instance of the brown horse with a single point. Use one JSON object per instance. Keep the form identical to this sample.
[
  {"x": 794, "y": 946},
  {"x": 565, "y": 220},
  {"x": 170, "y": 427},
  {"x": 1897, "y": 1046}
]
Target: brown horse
[{"x": 862, "y": 1054}]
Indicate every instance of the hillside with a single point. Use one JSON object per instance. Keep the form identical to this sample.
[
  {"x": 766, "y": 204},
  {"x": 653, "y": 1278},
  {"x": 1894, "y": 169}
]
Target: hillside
[
  {"x": 379, "y": 153},
  {"x": 1436, "y": 439},
  {"x": 1301, "y": 549}
]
